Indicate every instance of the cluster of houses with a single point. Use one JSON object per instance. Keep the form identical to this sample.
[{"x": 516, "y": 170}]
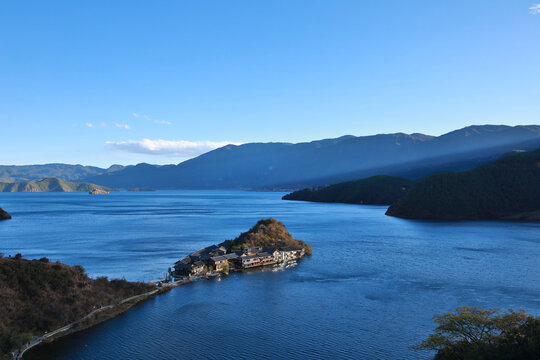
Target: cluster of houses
[{"x": 220, "y": 259}]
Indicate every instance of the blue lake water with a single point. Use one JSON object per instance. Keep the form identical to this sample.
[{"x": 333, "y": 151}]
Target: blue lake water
[{"x": 368, "y": 292}]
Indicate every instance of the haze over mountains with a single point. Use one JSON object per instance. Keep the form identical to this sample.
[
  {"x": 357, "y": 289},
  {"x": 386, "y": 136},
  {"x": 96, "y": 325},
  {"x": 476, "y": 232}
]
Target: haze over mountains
[{"x": 293, "y": 166}]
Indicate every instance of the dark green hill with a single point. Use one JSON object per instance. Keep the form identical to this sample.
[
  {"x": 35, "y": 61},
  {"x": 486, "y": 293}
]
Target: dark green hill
[
  {"x": 4, "y": 215},
  {"x": 508, "y": 188},
  {"x": 375, "y": 190},
  {"x": 50, "y": 185}
]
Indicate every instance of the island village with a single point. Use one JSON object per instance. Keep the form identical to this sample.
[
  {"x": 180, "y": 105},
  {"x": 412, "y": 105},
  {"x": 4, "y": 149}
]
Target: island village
[{"x": 267, "y": 243}]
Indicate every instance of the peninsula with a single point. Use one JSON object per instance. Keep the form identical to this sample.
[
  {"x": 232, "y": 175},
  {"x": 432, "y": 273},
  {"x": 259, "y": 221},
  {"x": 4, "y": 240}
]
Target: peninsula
[
  {"x": 267, "y": 243},
  {"x": 375, "y": 190},
  {"x": 4, "y": 215},
  {"x": 51, "y": 185},
  {"x": 98, "y": 192}
]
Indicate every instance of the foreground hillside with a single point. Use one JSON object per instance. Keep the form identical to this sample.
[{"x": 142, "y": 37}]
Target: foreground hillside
[
  {"x": 508, "y": 188},
  {"x": 268, "y": 233},
  {"x": 329, "y": 161},
  {"x": 37, "y": 296},
  {"x": 14, "y": 173},
  {"x": 376, "y": 190},
  {"x": 50, "y": 185},
  {"x": 475, "y": 333}
]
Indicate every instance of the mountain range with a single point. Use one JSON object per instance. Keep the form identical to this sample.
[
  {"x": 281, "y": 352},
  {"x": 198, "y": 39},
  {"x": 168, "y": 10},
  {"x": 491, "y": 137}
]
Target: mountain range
[
  {"x": 288, "y": 166},
  {"x": 50, "y": 185},
  {"x": 20, "y": 173},
  {"x": 274, "y": 166}
]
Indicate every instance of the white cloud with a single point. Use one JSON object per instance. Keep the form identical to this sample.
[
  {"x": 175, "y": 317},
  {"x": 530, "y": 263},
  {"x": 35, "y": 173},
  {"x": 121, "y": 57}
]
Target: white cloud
[
  {"x": 180, "y": 148},
  {"x": 122, "y": 126},
  {"x": 103, "y": 124},
  {"x": 162, "y": 122},
  {"x": 90, "y": 125},
  {"x": 535, "y": 9}
]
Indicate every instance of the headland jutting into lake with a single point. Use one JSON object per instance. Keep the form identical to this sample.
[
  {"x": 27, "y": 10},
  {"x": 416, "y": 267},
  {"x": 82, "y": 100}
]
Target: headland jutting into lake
[
  {"x": 267, "y": 243},
  {"x": 60, "y": 289}
]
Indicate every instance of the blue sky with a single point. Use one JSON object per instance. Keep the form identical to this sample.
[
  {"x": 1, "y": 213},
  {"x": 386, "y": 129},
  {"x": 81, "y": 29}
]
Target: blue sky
[{"x": 103, "y": 82}]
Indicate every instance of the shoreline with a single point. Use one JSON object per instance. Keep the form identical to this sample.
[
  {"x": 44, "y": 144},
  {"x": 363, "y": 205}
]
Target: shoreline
[
  {"x": 93, "y": 318},
  {"x": 209, "y": 262},
  {"x": 115, "y": 310}
]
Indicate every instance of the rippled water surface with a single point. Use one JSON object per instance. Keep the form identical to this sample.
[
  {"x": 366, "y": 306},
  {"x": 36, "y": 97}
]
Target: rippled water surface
[{"x": 368, "y": 292}]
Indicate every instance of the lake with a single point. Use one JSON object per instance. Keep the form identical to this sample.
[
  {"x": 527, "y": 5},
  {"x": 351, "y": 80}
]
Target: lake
[{"x": 368, "y": 292}]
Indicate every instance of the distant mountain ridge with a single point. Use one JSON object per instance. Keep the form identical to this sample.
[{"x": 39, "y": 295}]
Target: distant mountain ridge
[
  {"x": 50, "y": 185},
  {"x": 294, "y": 166},
  {"x": 15, "y": 173}
]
